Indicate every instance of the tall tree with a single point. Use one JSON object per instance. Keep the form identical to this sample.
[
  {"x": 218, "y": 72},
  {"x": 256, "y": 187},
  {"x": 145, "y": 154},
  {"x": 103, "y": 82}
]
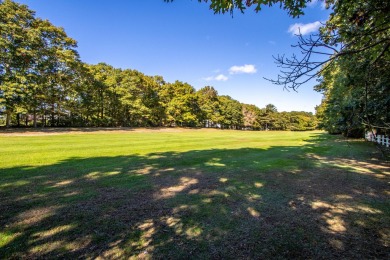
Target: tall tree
[
  {"x": 139, "y": 96},
  {"x": 251, "y": 116},
  {"x": 181, "y": 104},
  {"x": 209, "y": 106},
  {"x": 231, "y": 113},
  {"x": 356, "y": 97},
  {"x": 55, "y": 63},
  {"x": 36, "y": 62},
  {"x": 16, "y": 54}
]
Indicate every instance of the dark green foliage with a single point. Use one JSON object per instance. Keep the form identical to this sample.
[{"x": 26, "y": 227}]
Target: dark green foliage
[
  {"x": 38, "y": 65},
  {"x": 356, "y": 90},
  {"x": 293, "y": 7},
  {"x": 356, "y": 96}
]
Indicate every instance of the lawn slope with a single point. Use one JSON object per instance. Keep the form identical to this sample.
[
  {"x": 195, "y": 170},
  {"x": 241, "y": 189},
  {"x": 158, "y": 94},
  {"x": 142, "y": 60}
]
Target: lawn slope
[{"x": 192, "y": 194}]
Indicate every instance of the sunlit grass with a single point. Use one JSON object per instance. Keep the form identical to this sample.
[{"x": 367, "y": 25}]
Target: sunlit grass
[{"x": 46, "y": 150}]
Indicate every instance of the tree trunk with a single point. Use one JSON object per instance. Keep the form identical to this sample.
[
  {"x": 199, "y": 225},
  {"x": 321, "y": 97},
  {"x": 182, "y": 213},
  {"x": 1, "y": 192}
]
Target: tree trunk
[
  {"x": 8, "y": 119},
  {"x": 35, "y": 118},
  {"x": 101, "y": 109},
  {"x": 18, "y": 119},
  {"x": 52, "y": 123},
  {"x": 43, "y": 120}
]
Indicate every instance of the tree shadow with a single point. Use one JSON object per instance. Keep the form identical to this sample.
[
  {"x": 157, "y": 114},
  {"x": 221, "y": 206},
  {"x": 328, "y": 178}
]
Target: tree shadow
[{"x": 281, "y": 202}]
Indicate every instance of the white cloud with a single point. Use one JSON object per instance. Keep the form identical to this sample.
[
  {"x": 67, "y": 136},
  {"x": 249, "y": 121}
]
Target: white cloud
[
  {"x": 312, "y": 3},
  {"x": 247, "y": 68},
  {"x": 304, "y": 28},
  {"x": 219, "y": 77},
  {"x": 315, "y": 3}
]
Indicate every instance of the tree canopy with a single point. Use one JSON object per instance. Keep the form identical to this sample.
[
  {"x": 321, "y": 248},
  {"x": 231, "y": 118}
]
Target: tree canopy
[{"x": 293, "y": 7}]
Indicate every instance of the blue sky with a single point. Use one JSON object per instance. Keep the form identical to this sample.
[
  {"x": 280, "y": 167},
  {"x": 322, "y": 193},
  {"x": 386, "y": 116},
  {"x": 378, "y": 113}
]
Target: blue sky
[{"x": 186, "y": 41}]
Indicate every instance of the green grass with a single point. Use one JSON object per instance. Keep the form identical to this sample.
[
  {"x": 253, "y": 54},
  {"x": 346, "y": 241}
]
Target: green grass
[{"x": 192, "y": 194}]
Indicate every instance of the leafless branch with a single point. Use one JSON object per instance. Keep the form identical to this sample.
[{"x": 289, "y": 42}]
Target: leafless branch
[{"x": 298, "y": 71}]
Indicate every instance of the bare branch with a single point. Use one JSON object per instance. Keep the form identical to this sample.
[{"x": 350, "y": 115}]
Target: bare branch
[{"x": 298, "y": 71}]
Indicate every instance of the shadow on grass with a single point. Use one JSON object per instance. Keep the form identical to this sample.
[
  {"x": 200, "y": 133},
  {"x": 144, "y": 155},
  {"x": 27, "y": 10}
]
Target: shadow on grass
[{"x": 281, "y": 202}]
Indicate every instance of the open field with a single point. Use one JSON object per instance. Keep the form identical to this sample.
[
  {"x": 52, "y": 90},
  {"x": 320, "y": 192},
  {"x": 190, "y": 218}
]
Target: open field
[{"x": 176, "y": 193}]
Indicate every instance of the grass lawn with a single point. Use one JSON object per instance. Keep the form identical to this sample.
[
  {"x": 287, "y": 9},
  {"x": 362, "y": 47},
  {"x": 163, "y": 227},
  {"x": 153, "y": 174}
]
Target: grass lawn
[{"x": 176, "y": 193}]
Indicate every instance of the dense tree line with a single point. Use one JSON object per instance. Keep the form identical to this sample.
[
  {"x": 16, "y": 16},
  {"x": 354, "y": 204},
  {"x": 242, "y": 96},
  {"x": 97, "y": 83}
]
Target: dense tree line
[
  {"x": 356, "y": 79},
  {"x": 44, "y": 83}
]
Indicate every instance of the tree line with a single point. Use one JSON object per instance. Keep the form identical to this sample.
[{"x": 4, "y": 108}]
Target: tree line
[
  {"x": 355, "y": 81},
  {"x": 43, "y": 82}
]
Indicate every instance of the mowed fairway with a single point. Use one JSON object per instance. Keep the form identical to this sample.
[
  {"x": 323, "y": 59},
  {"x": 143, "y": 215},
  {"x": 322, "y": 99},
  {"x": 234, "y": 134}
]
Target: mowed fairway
[{"x": 176, "y": 193}]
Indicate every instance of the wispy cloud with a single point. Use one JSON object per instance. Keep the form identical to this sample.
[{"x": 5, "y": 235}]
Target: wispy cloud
[
  {"x": 312, "y": 3},
  {"x": 304, "y": 28},
  {"x": 219, "y": 77},
  {"x": 247, "y": 68}
]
